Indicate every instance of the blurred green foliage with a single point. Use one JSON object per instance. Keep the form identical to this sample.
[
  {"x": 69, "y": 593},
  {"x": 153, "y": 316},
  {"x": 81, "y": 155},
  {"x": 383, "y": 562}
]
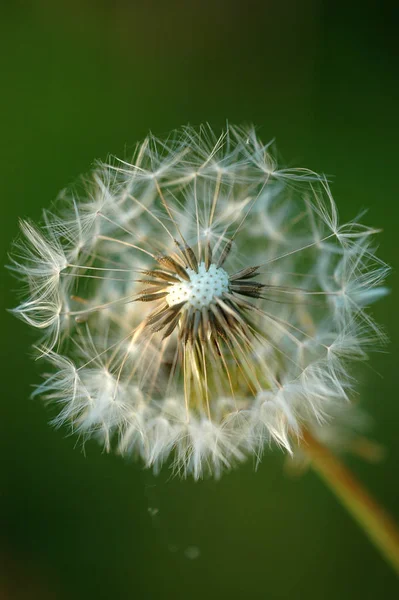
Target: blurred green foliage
[{"x": 82, "y": 79}]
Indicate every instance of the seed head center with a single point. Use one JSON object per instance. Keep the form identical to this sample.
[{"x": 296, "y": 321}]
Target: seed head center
[{"x": 202, "y": 287}]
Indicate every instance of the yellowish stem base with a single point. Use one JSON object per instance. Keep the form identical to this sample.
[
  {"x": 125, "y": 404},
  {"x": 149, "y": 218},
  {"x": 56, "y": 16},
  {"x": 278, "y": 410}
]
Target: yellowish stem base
[{"x": 378, "y": 525}]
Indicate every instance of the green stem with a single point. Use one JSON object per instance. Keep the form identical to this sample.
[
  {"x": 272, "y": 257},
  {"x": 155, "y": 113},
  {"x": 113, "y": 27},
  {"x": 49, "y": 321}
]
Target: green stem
[{"x": 378, "y": 525}]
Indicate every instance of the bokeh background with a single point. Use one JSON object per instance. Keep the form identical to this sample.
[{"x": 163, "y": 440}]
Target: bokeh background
[{"x": 83, "y": 78}]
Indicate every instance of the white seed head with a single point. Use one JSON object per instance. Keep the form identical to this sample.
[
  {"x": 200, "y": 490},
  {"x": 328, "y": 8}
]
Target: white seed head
[
  {"x": 202, "y": 287},
  {"x": 198, "y": 302}
]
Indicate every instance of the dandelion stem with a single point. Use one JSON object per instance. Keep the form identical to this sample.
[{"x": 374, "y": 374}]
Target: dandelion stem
[{"x": 378, "y": 525}]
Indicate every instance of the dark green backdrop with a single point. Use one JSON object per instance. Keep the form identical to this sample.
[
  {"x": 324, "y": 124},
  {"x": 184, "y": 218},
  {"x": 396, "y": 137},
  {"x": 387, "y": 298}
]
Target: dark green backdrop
[{"x": 83, "y": 78}]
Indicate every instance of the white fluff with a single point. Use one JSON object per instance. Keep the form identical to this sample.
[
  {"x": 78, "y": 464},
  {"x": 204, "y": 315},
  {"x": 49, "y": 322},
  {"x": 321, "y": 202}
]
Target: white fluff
[{"x": 209, "y": 407}]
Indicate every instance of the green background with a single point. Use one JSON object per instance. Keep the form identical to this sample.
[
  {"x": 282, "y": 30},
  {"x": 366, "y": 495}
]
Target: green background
[{"x": 84, "y": 78}]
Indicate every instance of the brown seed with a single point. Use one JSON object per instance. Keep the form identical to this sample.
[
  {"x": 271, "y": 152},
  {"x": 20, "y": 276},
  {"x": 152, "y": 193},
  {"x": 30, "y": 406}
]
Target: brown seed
[{"x": 173, "y": 265}]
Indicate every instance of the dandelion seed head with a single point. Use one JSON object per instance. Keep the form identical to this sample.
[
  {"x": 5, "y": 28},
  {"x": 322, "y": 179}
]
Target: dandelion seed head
[{"x": 198, "y": 303}]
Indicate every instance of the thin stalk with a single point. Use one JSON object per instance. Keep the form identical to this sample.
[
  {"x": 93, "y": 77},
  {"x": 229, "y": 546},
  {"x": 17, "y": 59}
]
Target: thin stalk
[{"x": 377, "y": 524}]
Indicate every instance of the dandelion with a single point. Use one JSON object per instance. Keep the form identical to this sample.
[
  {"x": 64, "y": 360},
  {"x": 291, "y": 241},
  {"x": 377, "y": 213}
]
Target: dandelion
[{"x": 198, "y": 303}]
